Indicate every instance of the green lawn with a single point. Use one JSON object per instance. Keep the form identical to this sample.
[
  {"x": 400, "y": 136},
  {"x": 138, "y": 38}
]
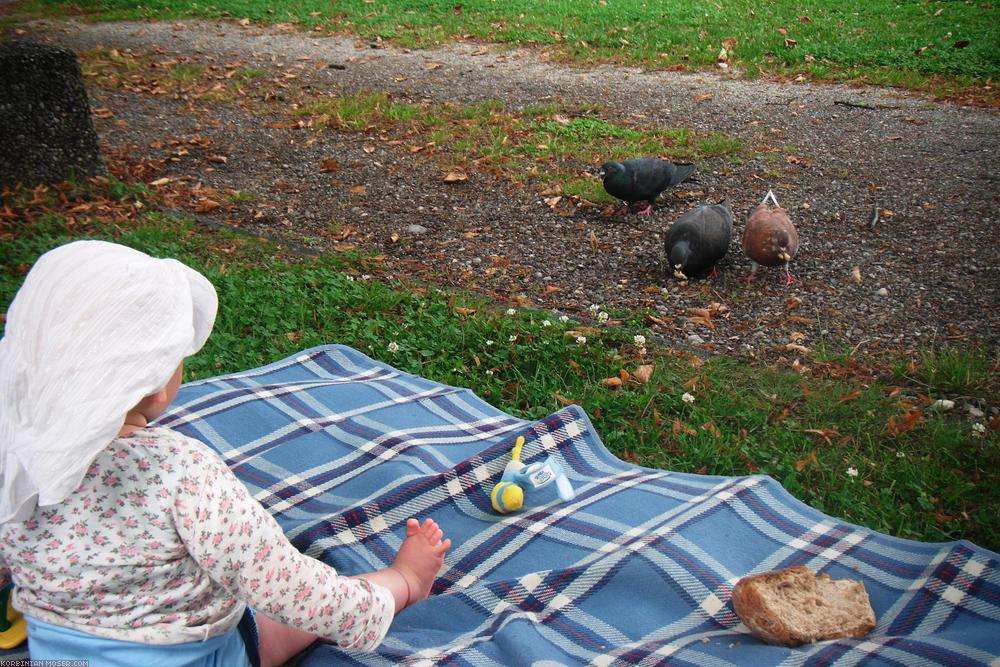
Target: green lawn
[{"x": 934, "y": 44}]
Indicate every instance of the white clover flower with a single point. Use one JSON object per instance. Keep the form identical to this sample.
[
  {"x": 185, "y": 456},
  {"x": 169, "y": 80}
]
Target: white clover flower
[
  {"x": 393, "y": 346},
  {"x": 603, "y": 317},
  {"x": 900, "y": 455},
  {"x": 546, "y": 323},
  {"x": 511, "y": 311},
  {"x": 488, "y": 343},
  {"x": 489, "y": 371},
  {"x": 639, "y": 340},
  {"x": 979, "y": 429},
  {"x": 687, "y": 398},
  {"x": 594, "y": 307},
  {"x": 852, "y": 472},
  {"x": 512, "y": 338},
  {"x": 564, "y": 318},
  {"x": 581, "y": 340},
  {"x": 365, "y": 276},
  {"x": 350, "y": 278}
]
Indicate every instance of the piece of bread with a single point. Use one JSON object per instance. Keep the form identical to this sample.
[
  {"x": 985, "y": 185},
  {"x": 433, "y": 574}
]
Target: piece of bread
[{"x": 794, "y": 607}]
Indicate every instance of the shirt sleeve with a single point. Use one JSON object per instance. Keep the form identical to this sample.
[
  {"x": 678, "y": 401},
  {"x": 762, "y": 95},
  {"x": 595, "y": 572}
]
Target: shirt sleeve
[{"x": 243, "y": 548}]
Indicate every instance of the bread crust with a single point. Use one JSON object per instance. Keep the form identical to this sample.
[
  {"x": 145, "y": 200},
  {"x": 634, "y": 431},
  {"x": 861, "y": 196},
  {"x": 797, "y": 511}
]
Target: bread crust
[{"x": 818, "y": 608}]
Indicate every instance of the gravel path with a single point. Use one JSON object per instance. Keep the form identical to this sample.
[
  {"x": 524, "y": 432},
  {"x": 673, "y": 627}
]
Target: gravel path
[{"x": 926, "y": 273}]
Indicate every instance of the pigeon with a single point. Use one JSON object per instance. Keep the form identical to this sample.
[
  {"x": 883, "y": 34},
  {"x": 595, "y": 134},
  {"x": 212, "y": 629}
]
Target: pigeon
[
  {"x": 770, "y": 238},
  {"x": 699, "y": 239},
  {"x": 642, "y": 179}
]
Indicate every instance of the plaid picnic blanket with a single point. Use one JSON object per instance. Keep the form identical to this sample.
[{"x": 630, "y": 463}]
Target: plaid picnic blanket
[{"x": 637, "y": 569}]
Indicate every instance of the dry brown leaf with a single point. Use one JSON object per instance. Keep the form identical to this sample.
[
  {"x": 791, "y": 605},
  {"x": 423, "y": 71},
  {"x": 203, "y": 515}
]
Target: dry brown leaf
[
  {"x": 643, "y": 373},
  {"x": 790, "y": 43},
  {"x": 680, "y": 427},
  {"x": 358, "y": 189},
  {"x": 792, "y": 302},
  {"x": 849, "y": 396},
  {"x": 800, "y": 466},
  {"x": 711, "y": 428},
  {"x": 327, "y": 165},
  {"x": 563, "y": 400},
  {"x": 456, "y": 177},
  {"x": 206, "y": 205},
  {"x": 906, "y": 423}
]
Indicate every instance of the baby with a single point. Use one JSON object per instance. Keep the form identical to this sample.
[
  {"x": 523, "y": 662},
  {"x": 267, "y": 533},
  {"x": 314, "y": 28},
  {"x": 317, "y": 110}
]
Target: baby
[{"x": 133, "y": 545}]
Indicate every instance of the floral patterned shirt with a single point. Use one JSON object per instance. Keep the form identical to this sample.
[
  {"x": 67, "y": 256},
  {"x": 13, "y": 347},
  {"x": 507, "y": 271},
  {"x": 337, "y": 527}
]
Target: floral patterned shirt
[{"x": 161, "y": 544}]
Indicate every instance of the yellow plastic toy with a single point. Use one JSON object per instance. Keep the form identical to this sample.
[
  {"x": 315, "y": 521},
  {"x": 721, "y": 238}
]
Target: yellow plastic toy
[
  {"x": 507, "y": 496},
  {"x": 13, "y": 628}
]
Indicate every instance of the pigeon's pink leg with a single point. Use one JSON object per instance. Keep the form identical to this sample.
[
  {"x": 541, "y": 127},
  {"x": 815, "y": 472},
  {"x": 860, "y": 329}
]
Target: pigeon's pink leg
[
  {"x": 622, "y": 209},
  {"x": 647, "y": 211},
  {"x": 750, "y": 278},
  {"x": 713, "y": 274},
  {"x": 788, "y": 277}
]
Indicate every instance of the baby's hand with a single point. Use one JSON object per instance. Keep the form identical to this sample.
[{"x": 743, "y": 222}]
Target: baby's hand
[{"x": 420, "y": 557}]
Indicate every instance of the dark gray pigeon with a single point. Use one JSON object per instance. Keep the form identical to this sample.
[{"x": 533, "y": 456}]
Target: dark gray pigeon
[
  {"x": 642, "y": 179},
  {"x": 699, "y": 239}
]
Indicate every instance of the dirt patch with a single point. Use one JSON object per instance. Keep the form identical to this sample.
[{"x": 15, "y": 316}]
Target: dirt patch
[{"x": 895, "y": 196}]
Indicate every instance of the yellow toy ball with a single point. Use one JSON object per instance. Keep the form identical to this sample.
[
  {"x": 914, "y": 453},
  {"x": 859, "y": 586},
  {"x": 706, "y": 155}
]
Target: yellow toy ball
[{"x": 507, "y": 497}]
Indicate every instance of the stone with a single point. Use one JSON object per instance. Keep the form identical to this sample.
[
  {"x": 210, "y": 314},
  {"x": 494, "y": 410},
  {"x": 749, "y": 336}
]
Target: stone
[{"x": 46, "y": 129}]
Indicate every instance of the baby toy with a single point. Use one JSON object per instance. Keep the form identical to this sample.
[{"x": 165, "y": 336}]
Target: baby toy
[
  {"x": 13, "y": 629},
  {"x": 508, "y": 494}
]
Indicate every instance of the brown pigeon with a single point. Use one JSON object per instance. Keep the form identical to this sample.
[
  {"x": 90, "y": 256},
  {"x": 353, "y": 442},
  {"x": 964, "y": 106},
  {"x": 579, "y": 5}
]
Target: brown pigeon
[{"x": 770, "y": 238}]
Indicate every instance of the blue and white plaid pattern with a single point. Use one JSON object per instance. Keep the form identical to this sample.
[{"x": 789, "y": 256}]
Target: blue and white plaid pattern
[{"x": 637, "y": 569}]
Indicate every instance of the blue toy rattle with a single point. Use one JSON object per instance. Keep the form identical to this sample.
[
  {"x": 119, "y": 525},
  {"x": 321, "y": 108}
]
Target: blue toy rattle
[{"x": 508, "y": 493}]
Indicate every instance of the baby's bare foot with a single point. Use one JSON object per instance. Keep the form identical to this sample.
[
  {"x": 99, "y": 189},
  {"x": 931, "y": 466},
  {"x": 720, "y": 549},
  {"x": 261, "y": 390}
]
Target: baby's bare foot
[{"x": 421, "y": 556}]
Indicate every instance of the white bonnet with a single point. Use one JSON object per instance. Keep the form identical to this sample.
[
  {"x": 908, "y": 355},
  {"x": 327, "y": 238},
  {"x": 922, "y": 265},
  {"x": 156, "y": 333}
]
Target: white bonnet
[{"x": 94, "y": 328}]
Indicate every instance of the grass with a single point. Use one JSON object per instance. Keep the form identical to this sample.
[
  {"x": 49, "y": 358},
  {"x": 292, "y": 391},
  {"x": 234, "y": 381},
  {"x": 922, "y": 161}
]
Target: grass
[
  {"x": 938, "y": 45},
  {"x": 856, "y": 442}
]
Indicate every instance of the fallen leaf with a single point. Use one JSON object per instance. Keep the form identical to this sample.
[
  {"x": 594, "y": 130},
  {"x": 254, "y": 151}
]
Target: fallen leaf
[
  {"x": 643, "y": 373},
  {"x": 456, "y": 177},
  {"x": 790, "y": 43},
  {"x": 358, "y": 189},
  {"x": 206, "y": 205},
  {"x": 906, "y": 423},
  {"x": 711, "y": 428},
  {"x": 612, "y": 382},
  {"x": 800, "y": 466},
  {"x": 856, "y": 274},
  {"x": 433, "y": 66},
  {"x": 564, "y": 400},
  {"x": 792, "y": 302},
  {"x": 327, "y": 165},
  {"x": 849, "y": 396},
  {"x": 680, "y": 427}
]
